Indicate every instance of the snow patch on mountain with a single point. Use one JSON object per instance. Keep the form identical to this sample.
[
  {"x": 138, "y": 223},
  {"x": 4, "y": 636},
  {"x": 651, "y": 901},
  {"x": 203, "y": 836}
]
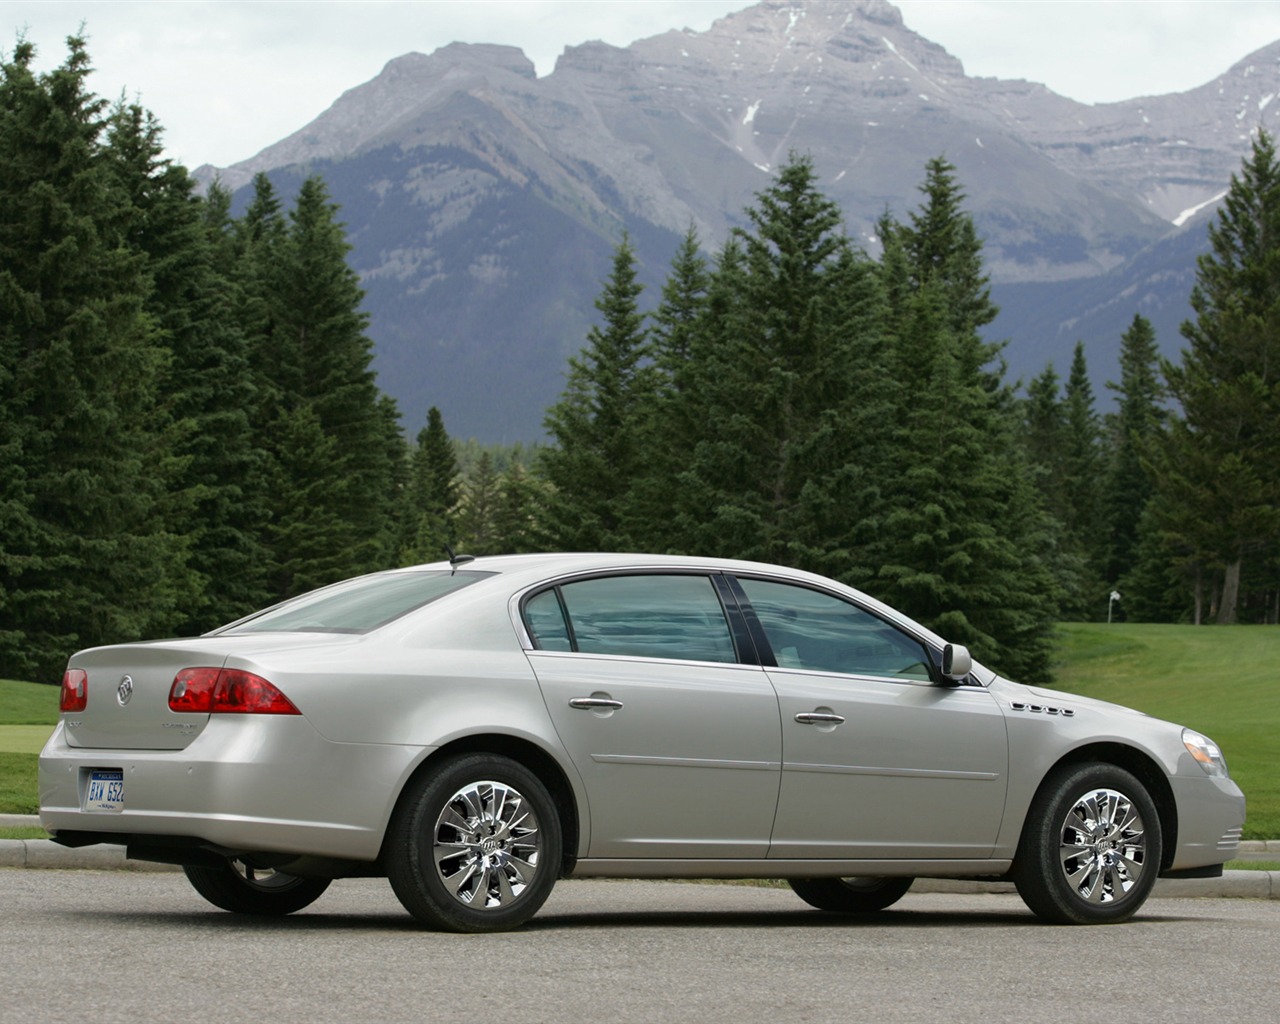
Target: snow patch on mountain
[{"x": 1187, "y": 214}]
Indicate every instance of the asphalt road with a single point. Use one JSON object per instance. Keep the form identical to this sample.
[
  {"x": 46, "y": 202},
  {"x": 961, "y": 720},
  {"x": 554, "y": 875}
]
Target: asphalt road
[{"x": 135, "y": 947}]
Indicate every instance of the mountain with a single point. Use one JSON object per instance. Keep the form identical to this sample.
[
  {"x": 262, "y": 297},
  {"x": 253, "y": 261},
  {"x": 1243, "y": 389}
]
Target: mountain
[{"x": 483, "y": 202}]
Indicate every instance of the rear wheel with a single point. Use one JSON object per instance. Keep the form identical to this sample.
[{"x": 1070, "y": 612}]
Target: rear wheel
[
  {"x": 1091, "y": 846},
  {"x": 475, "y": 845},
  {"x": 241, "y": 889},
  {"x": 856, "y": 895}
]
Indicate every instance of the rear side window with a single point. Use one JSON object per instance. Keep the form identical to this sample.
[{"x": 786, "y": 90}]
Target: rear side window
[
  {"x": 545, "y": 618},
  {"x": 356, "y": 606},
  {"x": 813, "y": 630},
  {"x": 652, "y": 616}
]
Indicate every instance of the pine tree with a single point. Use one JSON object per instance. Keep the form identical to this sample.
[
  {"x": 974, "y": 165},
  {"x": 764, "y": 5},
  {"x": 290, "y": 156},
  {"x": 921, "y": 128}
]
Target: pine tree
[
  {"x": 311, "y": 359},
  {"x": 433, "y": 493},
  {"x": 678, "y": 318},
  {"x": 1137, "y": 424},
  {"x": 254, "y": 253},
  {"x": 217, "y": 500},
  {"x": 595, "y": 458},
  {"x": 663, "y": 427},
  {"x": 306, "y": 531},
  {"x": 964, "y": 542},
  {"x": 478, "y": 510},
  {"x": 783, "y": 388},
  {"x": 1219, "y": 475},
  {"x": 85, "y": 556},
  {"x": 1045, "y": 427},
  {"x": 942, "y": 247},
  {"x": 522, "y": 500},
  {"x": 1082, "y": 468}
]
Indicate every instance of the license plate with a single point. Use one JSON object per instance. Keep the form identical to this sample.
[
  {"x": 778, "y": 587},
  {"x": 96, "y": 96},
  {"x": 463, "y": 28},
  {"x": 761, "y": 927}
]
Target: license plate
[{"x": 106, "y": 790}]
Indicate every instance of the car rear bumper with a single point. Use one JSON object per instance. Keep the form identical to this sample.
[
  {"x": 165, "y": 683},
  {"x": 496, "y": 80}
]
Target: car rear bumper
[{"x": 229, "y": 786}]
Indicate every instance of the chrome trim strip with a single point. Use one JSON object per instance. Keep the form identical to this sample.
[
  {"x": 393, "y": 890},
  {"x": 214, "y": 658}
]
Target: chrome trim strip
[
  {"x": 685, "y": 762},
  {"x": 908, "y": 773}
]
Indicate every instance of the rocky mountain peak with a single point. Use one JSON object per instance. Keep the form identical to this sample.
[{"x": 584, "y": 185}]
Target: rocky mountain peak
[
  {"x": 484, "y": 202},
  {"x": 789, "y": 37},
  {"x": 367, "y": 112}
]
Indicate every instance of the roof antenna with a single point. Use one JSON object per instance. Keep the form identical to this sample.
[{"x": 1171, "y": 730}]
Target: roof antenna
[{"x": 457, "y": 560}]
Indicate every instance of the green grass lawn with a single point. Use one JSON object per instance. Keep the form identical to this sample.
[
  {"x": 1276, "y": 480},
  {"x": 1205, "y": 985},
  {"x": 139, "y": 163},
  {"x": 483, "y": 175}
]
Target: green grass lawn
[
  {"x": 1220, "y": 680},
  {"x": 27, "y": 704},
  {"x": 28, "y": 713},
  {"x": 1223, "y": 681}
]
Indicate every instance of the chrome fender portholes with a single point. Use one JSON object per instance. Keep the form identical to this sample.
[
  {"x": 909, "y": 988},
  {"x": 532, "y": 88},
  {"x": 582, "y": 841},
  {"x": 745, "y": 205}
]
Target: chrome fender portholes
[{"x": 1041, "y": 709}]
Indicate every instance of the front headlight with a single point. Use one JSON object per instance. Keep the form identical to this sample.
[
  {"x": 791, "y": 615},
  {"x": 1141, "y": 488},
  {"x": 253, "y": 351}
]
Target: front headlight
[{"x": 1206, "y": 753}]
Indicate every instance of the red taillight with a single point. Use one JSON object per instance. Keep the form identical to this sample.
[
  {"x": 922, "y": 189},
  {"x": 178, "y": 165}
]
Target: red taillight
[
  {"x": 243, "y": 693},
  {"x": 226, "y": 691},
  {"x": 192, "y": 690},
  {"x": 75, "y": 690}
]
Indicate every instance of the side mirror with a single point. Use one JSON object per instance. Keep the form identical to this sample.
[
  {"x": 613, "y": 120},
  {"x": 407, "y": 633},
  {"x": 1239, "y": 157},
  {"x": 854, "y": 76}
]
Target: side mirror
[{"x": 956, "y": 663}]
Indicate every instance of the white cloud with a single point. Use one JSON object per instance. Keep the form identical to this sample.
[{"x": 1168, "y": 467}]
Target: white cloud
[{"x": 1098, "y": 51}]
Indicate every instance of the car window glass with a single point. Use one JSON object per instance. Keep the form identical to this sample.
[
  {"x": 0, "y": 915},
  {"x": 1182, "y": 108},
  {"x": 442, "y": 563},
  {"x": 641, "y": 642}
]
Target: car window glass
[
  {"x": 357, "y": 606},
  {"x": 545, "y": 619},
  {"x": 813, "y": 630},
  {"x": 654, "y": 616}
]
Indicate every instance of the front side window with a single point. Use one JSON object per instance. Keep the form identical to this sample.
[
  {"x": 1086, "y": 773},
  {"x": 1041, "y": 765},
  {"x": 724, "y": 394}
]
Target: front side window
[
  {"x": 640, "y": 616},
  {"x": 810, "y": 629}
]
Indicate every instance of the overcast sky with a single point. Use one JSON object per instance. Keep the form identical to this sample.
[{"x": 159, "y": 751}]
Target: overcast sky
[{"x": 226, "y": 78}]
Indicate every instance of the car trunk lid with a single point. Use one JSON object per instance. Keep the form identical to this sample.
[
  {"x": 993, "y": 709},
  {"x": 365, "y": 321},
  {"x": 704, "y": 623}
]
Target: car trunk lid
[{"x": 127, "y": 705}]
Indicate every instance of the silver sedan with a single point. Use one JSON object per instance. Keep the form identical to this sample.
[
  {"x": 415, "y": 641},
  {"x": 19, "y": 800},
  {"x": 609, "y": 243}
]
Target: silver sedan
[{"x": 474, "y": 730}]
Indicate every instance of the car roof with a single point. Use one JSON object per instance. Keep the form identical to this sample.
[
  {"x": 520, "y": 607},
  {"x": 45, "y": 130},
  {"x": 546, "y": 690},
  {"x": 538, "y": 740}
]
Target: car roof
[{"x": 555, "y": 563}]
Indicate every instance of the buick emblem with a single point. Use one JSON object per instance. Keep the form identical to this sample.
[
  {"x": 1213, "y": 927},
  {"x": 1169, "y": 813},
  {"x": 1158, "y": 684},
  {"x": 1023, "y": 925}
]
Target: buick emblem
[{"x": 125, "y": 690}]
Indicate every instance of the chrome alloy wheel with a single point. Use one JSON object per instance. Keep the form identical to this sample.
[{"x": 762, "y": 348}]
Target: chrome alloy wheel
[
  {"x": 486, "y": 845},
  {"x": 1103, "y": 846}
]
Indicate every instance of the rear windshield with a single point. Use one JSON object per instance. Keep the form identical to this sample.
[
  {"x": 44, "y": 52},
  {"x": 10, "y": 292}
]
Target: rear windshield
[{"x": 356, "y": 606}]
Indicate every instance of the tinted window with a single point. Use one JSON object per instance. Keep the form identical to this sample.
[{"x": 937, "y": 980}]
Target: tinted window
[
  {"x": 545, "y": 619},
  {"x": 810, "y": 629},
  {"x": 357, "y": 606},
  {"x": 637, "y": 616}
]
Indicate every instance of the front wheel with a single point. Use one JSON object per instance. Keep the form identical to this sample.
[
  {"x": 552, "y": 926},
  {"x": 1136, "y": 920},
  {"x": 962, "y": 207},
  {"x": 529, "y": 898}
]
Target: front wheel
[
  {"x": 1091, "y": 846},
  {"x": 242, "y": 889},
  {"x": 857, "y": 895},
  {"x": 475, "y": 845}
]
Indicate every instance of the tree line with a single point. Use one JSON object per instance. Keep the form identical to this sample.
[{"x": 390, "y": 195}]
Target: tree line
[
  {"x": 791, "y": 399},
  {"x": 190, "y": 427}
]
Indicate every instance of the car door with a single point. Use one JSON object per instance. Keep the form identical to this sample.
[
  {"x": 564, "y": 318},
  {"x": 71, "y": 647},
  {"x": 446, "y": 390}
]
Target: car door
[
  {"x": 879, "y": 760},
  {"x": 676, "y": 741}
]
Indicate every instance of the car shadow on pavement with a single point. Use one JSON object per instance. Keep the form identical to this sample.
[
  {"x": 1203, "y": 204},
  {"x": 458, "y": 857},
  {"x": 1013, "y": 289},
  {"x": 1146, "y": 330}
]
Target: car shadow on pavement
[{"x": 685, "y": 920}]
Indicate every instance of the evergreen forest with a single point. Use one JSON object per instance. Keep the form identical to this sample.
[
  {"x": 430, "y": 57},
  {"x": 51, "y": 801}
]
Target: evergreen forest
[{"x": 190, "y": 428}]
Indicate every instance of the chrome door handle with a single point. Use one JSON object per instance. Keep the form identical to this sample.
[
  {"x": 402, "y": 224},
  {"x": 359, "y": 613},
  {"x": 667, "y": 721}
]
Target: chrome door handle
[
  {"x": 595, "y": 704},
  {"x": 819, "y": 718}
]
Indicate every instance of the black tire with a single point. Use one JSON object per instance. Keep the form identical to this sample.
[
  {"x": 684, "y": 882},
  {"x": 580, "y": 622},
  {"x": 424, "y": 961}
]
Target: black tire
[
  {"x": 1090, "y": 848},
  {"x": 236, "y": 887},
  {"x": 475, "y": 845},
  {"x": 860, "y": 895}
]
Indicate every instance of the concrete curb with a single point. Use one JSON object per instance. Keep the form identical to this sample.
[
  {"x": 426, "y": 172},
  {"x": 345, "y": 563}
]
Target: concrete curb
[
  {"x": 44, "y": 853},
  {"x": 1245, "y": 885}
]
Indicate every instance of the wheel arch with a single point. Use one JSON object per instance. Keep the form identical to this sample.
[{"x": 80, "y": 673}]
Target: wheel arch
[
  {"x": 1142, "y": 767},
  {"x": 522, "y": 751}
]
